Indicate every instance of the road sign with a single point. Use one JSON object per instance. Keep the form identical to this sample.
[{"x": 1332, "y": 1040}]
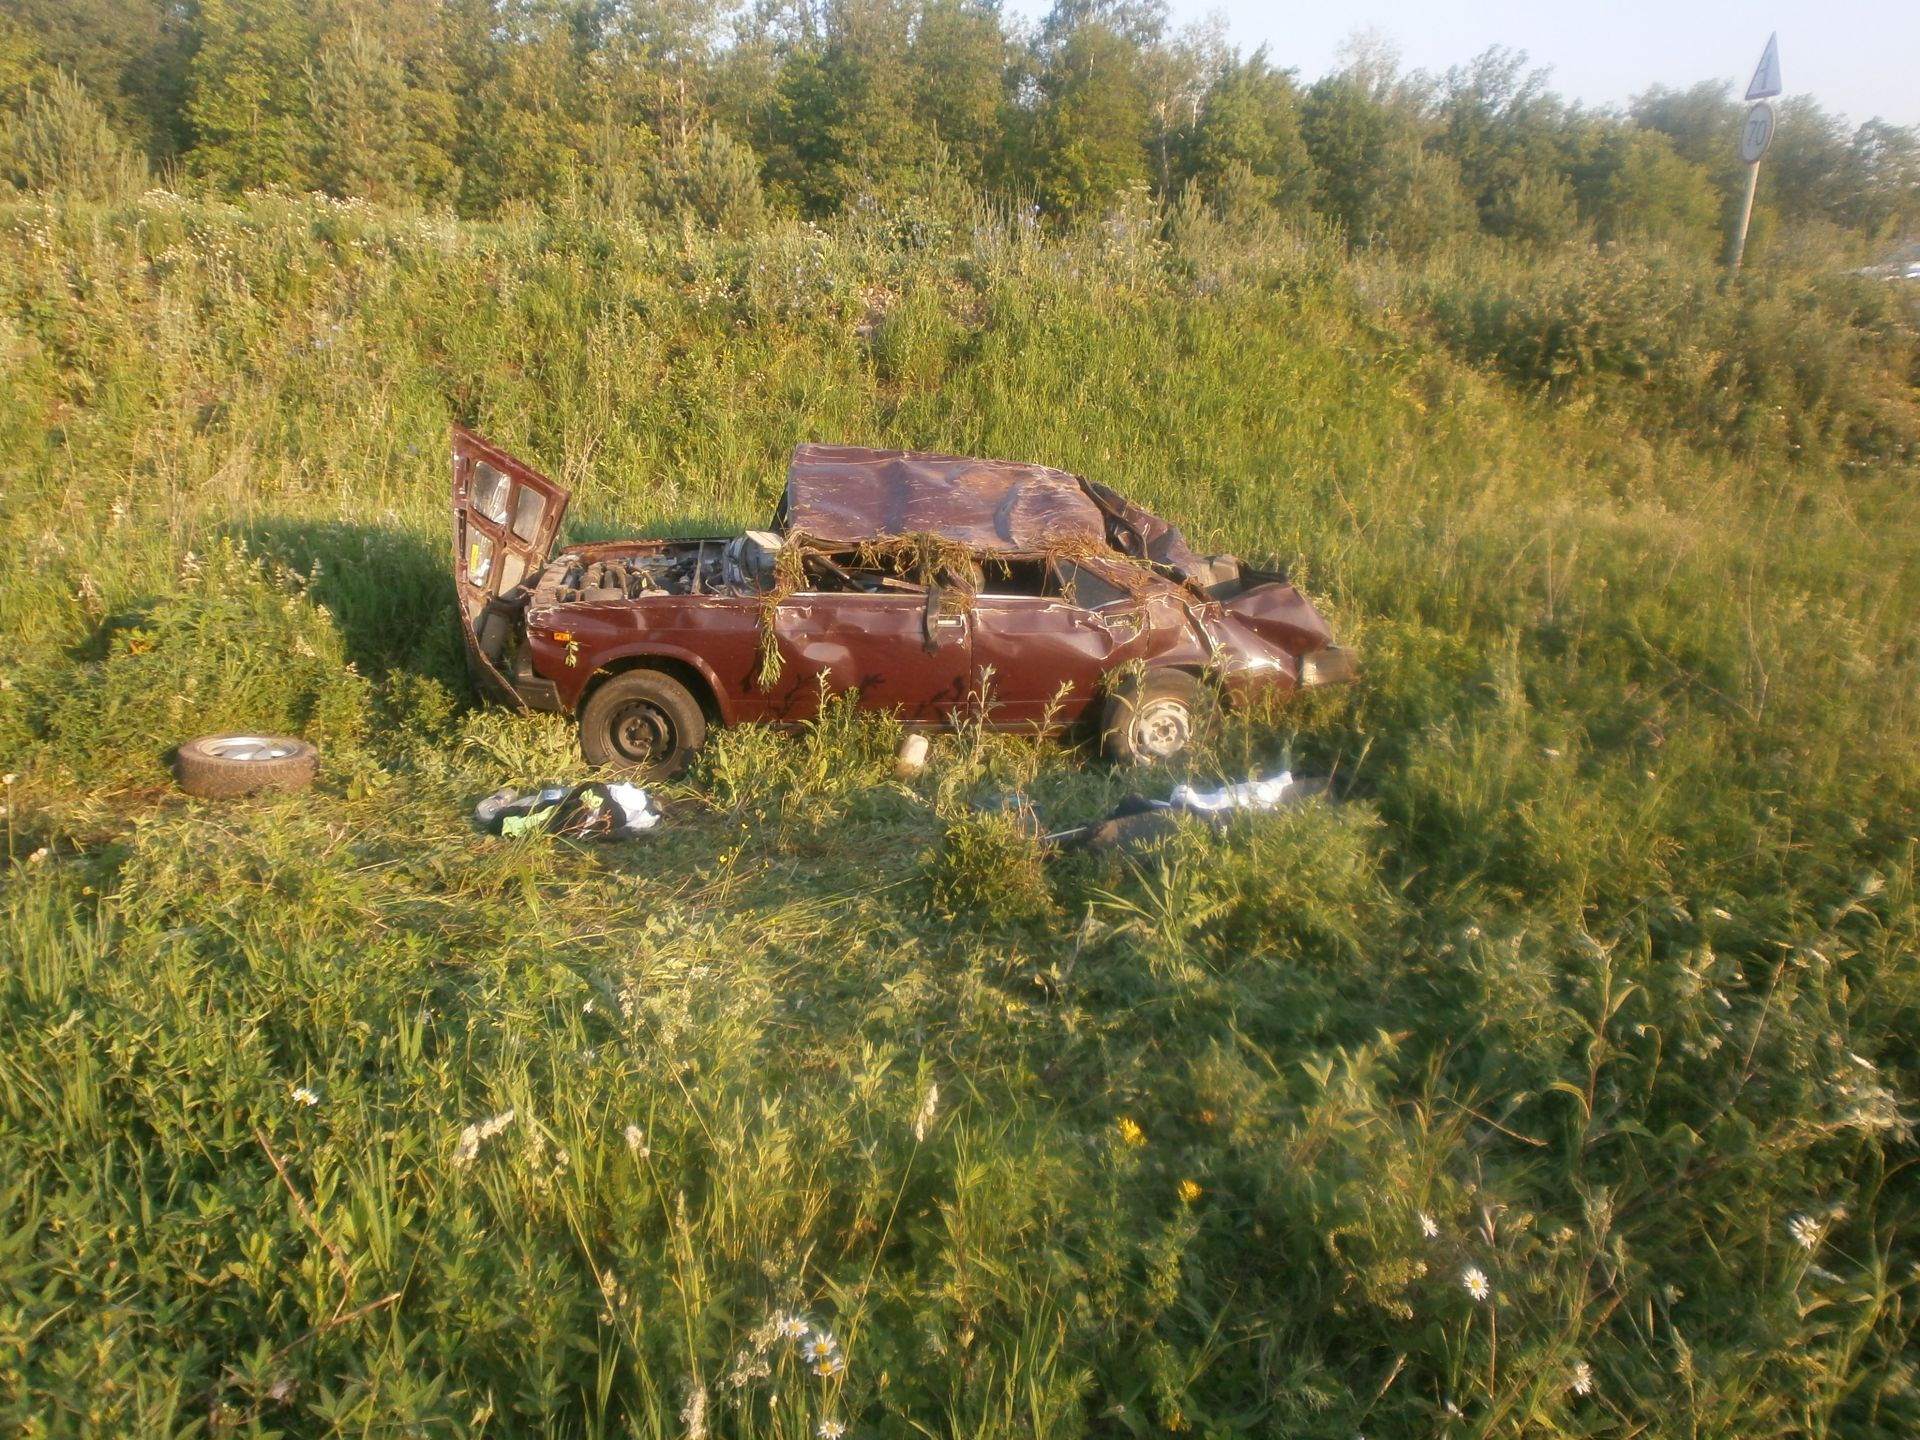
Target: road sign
[
  {"x": 1766, "y": 79},
  {"x": 1757, "y": 134}
]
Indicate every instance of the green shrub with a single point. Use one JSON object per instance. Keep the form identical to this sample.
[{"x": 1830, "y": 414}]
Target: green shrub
[
  {"x": 990, "y": 867},
  {"x": 1781, "y": 364},
  {"x": 239, "y": 646}
]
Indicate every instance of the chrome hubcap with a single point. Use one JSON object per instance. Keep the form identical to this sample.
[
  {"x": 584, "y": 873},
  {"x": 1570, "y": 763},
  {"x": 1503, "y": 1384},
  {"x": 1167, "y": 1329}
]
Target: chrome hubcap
[{"x": 248, "y": 747}]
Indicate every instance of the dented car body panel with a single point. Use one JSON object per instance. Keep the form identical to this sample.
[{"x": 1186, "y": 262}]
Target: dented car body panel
[{"x": 931, "y": 586}]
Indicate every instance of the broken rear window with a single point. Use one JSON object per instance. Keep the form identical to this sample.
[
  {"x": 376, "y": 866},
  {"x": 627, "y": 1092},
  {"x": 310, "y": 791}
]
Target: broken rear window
[
  {"x": 479, "y": 558},
  {"x": 490, "y": 492},
  {"x": 528, "y": 507}
]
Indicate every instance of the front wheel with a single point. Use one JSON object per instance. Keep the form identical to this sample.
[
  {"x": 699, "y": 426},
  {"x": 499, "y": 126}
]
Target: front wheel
[
  {"x": 642, "y": 721},
  {"x": 1153, "y": 716}
]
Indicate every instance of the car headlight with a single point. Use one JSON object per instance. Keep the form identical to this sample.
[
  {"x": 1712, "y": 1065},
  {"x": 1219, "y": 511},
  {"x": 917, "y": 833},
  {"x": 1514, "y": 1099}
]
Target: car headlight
[{"x": 1331, "y": 666}]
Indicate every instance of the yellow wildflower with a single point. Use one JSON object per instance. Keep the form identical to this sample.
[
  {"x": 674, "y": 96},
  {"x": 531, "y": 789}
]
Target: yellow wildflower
[
  {"x": 1189, "y": 1191},
  {"x": 1131, "y": 1134}
]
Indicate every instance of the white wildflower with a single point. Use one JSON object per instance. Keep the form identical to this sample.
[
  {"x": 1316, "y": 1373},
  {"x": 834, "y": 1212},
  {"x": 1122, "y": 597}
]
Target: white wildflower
[
  {"x": 637, "y": 1142},
  {"x": 1475, "y": 1279},
  {"x": 303, "y": 1096},
  {"x": 1472, "y": 932},
  {"x": 929, "y": 1107},
  {"x": 694, "y": 1417},
  {"x": 477, "y": 1134},
  {"x": 1582, "y": 1382},
  {"x": 1806, "y": 1231},
  {"x": 8, "y": 778},
  {"x": 790, "y": 1327},
  {"x": 820, "y": 1347},
  {"x": 822, "y": 1354},
  {"x": 831, "y": 1430},
  {"x": 1428, "y": 1226}
]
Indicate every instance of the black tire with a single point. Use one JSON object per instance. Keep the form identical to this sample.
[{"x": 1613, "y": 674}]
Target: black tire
[
  {"x": 1154, "y": 716},
  {"x": 218, "y": 767},
  {"x": 642, "y": 721}
]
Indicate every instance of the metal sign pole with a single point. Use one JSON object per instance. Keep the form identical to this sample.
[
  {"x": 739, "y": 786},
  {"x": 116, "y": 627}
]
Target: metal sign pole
[
  {"x": 1746, "y": 218},
  {"x": 1755, "y": 136}
]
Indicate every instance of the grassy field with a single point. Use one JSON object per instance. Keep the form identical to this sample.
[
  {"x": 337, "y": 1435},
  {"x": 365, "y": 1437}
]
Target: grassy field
[{"x": 1559, "y": 1082}]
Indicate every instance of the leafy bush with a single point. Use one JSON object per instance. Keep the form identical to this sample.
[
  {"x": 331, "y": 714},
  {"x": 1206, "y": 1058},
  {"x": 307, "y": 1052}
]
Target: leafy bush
[
  {"x": 1780, "y": 364},
  {"x": 240, "y": 646},
  {"x": 990, "y": 867}
]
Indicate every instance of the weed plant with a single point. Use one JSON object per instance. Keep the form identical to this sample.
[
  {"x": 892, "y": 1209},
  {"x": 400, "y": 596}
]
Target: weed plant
[{"x": 1561, "y": 1081}]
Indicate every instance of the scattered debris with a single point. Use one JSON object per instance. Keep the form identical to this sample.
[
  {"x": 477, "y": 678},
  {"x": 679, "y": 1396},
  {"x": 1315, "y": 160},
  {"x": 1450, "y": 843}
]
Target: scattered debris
[
  {"x": 1140, "y": 818},
  {"x": 911, "y": 758},
  {"x": 1247, "y": 795},
  {"x": 594, "y": 811}
]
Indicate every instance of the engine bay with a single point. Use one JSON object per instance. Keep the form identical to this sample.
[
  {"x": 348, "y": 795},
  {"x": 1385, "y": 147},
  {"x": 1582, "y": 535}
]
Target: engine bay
[{"x": 739, "y": 566}]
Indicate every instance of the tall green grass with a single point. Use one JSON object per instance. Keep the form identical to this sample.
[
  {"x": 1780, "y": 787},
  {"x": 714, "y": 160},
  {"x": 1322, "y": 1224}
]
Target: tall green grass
[{"x": 1560, "y": 1081}]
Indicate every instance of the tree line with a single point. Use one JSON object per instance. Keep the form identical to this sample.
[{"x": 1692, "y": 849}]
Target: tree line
[{"x": 729, "y": 114}]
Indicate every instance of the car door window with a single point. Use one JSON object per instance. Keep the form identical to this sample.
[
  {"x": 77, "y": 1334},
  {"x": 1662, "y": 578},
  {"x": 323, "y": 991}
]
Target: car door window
[{"x": 1080, "y": 585}]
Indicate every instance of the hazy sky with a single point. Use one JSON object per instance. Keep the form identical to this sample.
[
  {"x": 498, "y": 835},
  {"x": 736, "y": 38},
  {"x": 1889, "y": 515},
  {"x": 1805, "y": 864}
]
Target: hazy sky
[{"x": 1857, "y": 59}]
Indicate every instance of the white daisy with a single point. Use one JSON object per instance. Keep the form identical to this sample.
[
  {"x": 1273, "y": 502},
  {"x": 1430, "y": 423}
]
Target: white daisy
[
  {"x": 1475, "y": 1279},
  {"x": 1428, "y": 1226},
  {"x": 792, "y": 1327},
  {"x": 1806, "y": 1231},
  {"x": 1582, "y": 1378},
  {"x": 301, "y": 1095}
]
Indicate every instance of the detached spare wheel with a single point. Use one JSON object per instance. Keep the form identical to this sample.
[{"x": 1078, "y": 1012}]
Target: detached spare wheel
[{"x": 219, "y": 766}]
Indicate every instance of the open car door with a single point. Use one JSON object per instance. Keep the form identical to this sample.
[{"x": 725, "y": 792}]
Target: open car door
[{"x": 505, "y": 517}]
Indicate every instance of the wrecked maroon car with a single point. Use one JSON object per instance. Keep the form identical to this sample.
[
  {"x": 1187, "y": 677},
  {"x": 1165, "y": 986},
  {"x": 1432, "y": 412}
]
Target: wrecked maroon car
[{"x": 931, "y": 586}]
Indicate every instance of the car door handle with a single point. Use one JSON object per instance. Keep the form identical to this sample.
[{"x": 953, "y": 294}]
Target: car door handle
[{"x": 944, "y": 628}]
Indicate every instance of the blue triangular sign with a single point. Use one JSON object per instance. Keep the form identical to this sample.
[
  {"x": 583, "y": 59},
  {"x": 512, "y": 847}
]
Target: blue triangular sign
[{"x": 1766, "y": 79}]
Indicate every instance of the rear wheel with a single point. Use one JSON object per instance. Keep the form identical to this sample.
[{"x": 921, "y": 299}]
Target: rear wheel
[
  {"x": 643, "y": 721},
  {"x": 1153, "y": 717}
]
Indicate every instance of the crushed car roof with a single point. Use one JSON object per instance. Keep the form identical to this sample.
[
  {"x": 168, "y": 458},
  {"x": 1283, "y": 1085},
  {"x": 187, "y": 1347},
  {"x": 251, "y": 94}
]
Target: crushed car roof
[{"x": 839, "y": 495}]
